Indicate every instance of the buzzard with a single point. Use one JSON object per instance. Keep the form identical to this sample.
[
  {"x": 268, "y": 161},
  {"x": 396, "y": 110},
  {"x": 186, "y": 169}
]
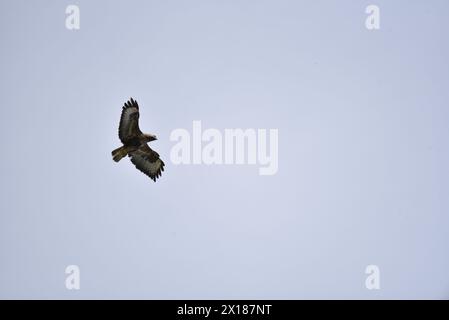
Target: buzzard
[{"x": 135, "y": 143}]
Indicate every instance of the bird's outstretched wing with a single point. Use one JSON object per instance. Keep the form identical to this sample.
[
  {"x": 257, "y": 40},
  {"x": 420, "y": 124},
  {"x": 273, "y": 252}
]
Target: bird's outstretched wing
[
  {"x": 147, "y": 160},
  {"x": 129, "y": 121}
]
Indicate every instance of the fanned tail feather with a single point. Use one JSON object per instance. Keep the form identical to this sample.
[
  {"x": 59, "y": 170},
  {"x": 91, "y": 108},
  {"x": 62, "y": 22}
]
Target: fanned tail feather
[{"x": 119, "y": 153}]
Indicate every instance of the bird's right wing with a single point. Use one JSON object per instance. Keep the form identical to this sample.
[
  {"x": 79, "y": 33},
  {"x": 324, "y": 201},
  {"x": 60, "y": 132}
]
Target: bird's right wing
[{"x": 129, "y": 121}]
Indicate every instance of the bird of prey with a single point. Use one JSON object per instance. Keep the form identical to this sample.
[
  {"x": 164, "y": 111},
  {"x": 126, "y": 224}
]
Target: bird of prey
[{"x": 135, "y": 143}]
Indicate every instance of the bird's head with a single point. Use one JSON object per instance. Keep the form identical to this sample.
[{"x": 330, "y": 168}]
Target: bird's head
[{"x": 150, "y": 137}]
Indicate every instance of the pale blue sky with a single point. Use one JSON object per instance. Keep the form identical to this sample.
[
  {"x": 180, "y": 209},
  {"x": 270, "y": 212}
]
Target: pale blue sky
[{"x": 363, "y": 149}]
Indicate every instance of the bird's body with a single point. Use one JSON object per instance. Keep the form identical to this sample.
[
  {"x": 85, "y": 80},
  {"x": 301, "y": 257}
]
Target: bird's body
[{"x": 135, "y": 143}]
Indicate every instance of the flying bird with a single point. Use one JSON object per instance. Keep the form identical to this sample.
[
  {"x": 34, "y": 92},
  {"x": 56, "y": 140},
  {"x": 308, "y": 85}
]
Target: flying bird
[{"x": 135, "y": 143}]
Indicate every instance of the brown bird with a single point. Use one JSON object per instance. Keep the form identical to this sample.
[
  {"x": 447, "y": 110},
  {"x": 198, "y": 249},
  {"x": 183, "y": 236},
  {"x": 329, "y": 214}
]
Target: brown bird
[{"x": 135, "y": 143}]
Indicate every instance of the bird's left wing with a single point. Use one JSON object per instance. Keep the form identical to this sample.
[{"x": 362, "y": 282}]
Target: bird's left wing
[{"x": 147, "y": 160}]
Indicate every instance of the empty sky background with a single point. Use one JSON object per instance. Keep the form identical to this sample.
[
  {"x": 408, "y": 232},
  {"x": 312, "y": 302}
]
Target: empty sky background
[{"x": 363, "y": 149}]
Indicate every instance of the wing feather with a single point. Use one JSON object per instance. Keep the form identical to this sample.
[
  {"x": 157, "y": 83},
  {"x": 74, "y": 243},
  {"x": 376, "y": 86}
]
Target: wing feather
[
  {"x": 129, "y": 121},
  {"x": 147, "y": 161}
]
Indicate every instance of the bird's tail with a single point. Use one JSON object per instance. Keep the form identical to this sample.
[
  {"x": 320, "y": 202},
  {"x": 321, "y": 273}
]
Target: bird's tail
[{"x": 119, "y": 153}]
